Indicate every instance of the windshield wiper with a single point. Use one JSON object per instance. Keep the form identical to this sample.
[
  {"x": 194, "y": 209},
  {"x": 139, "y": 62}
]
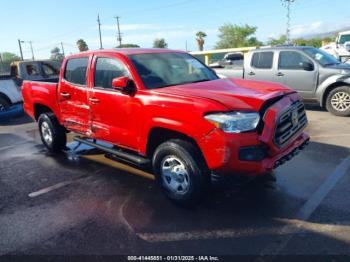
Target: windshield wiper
[{"x": 200, "y": 80}]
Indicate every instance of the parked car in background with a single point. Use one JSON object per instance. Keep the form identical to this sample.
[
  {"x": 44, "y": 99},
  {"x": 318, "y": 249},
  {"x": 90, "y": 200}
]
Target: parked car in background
[
  {"x": 230, "y": 60},
  {"x": 340, "y": 49},
  {"x": 10, "y": 84},
  {"x": 166, "y": 109},
  {"x": 315, "y": 74}
]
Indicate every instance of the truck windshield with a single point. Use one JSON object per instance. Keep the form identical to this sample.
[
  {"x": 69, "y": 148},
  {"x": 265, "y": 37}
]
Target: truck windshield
[
  {"x": 322, "y": 57},
  {"x": 167, "y": 69}
]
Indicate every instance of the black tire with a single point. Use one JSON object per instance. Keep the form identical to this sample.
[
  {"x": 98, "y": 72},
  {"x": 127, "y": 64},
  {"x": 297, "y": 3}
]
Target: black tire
[
  {"x": 197, "y": 174},
  {"x": 334, "y": 94},
  {"x": 4, "y": 104},
  {"x": 58, "y": 133}
]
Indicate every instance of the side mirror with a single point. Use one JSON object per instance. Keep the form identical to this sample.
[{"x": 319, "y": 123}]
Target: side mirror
[
  {"x": 124, "y": 84},
  {"x": 307, "y": 66}
]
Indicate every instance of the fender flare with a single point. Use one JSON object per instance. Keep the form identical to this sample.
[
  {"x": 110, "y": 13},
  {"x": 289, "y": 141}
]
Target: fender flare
[{"x": 331, "y": 82}]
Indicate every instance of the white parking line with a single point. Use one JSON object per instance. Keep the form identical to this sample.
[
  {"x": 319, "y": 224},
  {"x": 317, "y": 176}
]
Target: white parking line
[
  {"x": 54, "y": 187},
  {"x": 309, "y": 207}
]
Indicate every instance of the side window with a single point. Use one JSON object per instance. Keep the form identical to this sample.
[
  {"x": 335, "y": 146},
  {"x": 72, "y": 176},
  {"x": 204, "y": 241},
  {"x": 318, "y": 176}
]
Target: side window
[
  {"x": 262, "y": 60},
  {"x": 106, "y": 70},
  {"x": 76, "y": 70},
  {"x": 50, "y": 70},
  {"x": 292, "y": 60},
  {"x": 32, "y": 70}
]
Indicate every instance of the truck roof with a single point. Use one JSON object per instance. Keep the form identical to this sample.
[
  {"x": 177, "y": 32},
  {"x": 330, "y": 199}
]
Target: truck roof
[
  {"x": 282, "y": 47},
  {"x": 128, "y": 51}
]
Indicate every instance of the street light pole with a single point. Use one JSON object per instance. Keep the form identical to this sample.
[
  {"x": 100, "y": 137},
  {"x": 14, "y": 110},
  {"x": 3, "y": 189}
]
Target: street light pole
[
  {"x": 31, "y": 48},
  {"x": 119, "y": 37},
  {"x": 62, "y": 49},
  {"x": 20, "y": 48}
]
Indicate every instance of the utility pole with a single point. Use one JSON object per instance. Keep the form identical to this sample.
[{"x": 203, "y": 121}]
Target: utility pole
[
  {"x": 31, "y": 48},
  {"x": 119, "y": 37},
  {"x": 20, "y": 48},
  {"x": 99, "y": 30},
  {"x": 62, "y": 49},
  {"x": 286, "y": 4}
]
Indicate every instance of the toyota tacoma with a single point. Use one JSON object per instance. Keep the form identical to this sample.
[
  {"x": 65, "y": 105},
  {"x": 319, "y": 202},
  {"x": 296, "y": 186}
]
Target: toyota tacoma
[{"x": 166, "y": 109}]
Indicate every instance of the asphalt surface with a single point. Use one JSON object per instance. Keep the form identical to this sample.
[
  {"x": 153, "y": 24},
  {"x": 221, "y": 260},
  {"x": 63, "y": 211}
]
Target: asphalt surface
[{"x": 80, "y": 203}]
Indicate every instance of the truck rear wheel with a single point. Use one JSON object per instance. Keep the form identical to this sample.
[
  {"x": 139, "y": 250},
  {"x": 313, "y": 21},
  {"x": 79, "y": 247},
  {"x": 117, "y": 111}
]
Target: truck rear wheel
[
  {"x": 338, "y": 101},
  {"x": 52, "y": 134},
  {"x": 4, "y": 104},
  {"x": 181, "y": 172}
]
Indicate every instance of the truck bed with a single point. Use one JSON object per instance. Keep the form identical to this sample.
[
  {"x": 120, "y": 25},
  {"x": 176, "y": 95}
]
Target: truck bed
[{"x": 39, "y": 93}]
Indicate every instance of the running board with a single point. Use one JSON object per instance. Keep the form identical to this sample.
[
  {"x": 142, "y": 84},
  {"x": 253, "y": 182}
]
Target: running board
[{"x": 139, "y": 160}]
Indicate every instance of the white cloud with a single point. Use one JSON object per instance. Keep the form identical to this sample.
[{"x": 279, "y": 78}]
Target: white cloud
[{"x": 305, "y": 29}]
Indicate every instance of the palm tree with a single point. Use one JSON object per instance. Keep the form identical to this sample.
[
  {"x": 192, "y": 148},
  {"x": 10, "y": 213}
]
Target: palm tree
[
  {"x": 82, "y": 45},
  {"x": 200, "y": 39}
]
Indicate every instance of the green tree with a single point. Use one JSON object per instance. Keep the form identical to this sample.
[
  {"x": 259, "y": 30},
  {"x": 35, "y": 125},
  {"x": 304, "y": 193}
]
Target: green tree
[
  {"x": 200, "y": 40},
  {"x": 232, "y": 35},
  {"x": 56, "y": 54},
  {"x": 128, "y": 46},
  {"x": 277, "y": 41},
  {"x": 160, "y": 43},
  {"x": 82, "y": 45}
]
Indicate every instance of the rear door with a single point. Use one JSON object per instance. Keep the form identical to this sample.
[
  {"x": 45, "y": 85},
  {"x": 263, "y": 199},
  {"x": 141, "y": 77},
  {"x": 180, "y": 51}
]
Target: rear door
[
  {"x": 291, "y": 72},
  {"x": 260, "y": 66},
  {"x": 72, "y": 95}
]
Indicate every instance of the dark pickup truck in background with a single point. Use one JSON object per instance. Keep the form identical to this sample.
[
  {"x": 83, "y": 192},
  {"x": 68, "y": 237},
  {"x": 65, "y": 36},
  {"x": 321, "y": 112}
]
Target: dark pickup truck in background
[
  {"x": 11, "y": 81},
  {"x": 315, "y": 74}
]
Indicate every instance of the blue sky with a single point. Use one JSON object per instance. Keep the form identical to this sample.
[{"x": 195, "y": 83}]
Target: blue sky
[{"x": 47, "y": 22}]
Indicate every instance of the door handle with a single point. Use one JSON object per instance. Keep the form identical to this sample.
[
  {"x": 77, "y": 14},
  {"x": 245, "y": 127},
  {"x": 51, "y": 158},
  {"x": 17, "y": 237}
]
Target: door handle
[
  {"x": 65, "y": 95},
  {"x": 251, "y": 73},
  {"x": 94, "y": 100},
  {"x": 279, "y": 74}
]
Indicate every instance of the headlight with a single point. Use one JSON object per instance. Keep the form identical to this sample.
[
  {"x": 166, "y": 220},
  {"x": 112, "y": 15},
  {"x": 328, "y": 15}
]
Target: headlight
[{"x": 234, "y": 122}]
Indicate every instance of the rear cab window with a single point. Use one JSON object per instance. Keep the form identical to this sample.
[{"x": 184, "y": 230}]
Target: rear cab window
[
  {"x": 75, "y": 71},
  {"x": 262, "y": 60}
]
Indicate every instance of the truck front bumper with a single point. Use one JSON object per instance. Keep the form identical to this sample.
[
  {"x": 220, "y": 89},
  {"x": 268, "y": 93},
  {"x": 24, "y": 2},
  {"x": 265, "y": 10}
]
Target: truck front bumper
[{"x": 223, "y": 153}]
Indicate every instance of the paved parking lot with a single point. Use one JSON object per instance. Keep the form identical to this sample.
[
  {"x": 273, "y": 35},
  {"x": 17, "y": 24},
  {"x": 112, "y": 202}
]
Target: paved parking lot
[{"x": 82, "y": 203}]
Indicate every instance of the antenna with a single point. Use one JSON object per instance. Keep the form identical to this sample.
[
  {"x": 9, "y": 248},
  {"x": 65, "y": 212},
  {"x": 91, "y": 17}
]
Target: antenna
[{"x": 286, "y": 4}]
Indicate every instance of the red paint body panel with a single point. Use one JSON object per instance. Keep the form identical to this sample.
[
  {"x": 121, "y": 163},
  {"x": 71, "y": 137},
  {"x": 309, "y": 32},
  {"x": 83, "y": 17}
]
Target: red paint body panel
[{"x": 127, "y": 120}]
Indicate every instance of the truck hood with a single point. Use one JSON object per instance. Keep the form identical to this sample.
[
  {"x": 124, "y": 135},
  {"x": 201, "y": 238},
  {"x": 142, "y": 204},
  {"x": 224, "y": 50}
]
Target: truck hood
[{"x": 235, "y": 94}]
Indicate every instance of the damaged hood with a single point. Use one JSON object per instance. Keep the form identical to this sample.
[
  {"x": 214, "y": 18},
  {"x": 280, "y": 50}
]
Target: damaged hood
[{"x": 235, "y": 94}]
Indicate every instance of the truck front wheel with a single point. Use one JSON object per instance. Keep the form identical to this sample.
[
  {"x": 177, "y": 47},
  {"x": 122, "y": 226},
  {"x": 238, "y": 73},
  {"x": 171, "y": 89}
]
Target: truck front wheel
[
  {"x": 338, "y": 101},
  {"x": 181, "y": 172},
  {"x": 52, "y": 134}
]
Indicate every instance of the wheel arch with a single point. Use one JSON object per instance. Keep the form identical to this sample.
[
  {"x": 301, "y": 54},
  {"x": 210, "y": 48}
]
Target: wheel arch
[
  {"x": 159, "y": 135},
  {"x": 329, "y": 89},
  {"x": 40, "y": 109},
  {"x": 4, "y": 96}
]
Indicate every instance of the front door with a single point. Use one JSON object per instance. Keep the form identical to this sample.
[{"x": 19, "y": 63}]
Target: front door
[
  {"x": 72, "y": 96},
  {"x": 292, "y": 72},
  {"x": 113, "y": 112}
]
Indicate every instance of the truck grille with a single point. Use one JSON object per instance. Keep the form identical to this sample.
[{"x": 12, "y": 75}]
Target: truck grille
[{"x": 290, "y": 123}]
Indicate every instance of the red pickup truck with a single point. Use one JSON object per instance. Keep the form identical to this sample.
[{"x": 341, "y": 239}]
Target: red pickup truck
[{"x": 167, "y": 109}]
